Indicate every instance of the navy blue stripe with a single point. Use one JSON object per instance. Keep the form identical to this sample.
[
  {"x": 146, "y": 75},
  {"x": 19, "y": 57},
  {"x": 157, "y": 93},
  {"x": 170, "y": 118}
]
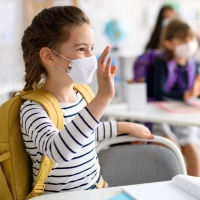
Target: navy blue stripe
[
  {"x": 91, "y": 115},
  {"x": 28, "y": 141},
  {"x": 35, "y": 168},
  {"x": 29, "y": 117},
  {"x": 66, "y": 116},
  {"x": 27, "y": 106},
  {"x": 42, "y": 137},
  {"x": 104, "y": 132},
  {"x": 47, "y": 142},
  {"x": 66, "y": 144},
  {"x": 73, "y": 105},
  {"x": 39, "y": 126},
  {"x": 85, "y": 122},
  {"x": 94, "y": 176},
  {"x": 31, "y": 147},
  {"x": 35, "y": 121},
  {"x": 76, "y": 165},
  {"x": 71, "y": 181},
  {"x": 59, "y": 152},
  {"x": 82, "y": 155},
  {"x": 36, "y": 161},
  {"x": 88, "y": 144},
  {"x": 55, "y": 191},
  {"x": 51, "y": 152},
  {"x": 110, "y": 129},
  {"x": 31, "y": 154},
  {"x": 79, "y": 130},
  {"x": 26, "y": 112},
  {"x": 93, "y": 186},
  {"x": 42, "y": 134},
  {"x": 34, "y": 174},
  {"x": 70, "y": 175},
  {"x": 38, "y": 134},
  {"x": 72, "y": 136}
]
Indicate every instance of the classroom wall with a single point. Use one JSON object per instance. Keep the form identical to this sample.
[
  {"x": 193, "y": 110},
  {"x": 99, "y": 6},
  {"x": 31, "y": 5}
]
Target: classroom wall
[{"x": 138, "y": 16}]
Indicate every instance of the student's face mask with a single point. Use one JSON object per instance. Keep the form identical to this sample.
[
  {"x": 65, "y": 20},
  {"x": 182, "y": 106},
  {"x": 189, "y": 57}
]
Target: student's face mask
[
  {"x": 81, "y": 70},
  {"x": 166, "y": 21},
  {"x": 186, "y": 50}
]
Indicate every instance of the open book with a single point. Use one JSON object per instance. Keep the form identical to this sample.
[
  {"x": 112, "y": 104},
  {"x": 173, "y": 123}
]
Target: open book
[{"x": 181, "y": 187}]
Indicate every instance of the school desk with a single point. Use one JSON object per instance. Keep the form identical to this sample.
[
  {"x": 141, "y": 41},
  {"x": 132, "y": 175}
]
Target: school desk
[
  {"x": 151, "y": 114},
  {"x": 164, "y": 191}
]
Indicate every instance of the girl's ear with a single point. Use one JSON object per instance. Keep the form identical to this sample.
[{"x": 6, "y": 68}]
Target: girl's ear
[
  {"x": 168, "y": 45},
  {"x": 46, "y": 56}
]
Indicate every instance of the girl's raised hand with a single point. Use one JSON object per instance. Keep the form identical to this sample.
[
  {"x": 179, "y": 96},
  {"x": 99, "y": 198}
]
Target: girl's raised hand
[{"x": 105, "y": 75}]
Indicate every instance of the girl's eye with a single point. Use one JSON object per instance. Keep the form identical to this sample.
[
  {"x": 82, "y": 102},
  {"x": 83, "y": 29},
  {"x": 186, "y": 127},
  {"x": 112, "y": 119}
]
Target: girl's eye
[{"x": 82, "y": 49}]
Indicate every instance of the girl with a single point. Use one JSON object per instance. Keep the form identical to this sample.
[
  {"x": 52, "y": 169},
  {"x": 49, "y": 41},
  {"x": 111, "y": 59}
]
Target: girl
[
  {"x": 166, "y": 13},
  {"x": 57, "y": 51},
  {"x": 176, "y": 76}
]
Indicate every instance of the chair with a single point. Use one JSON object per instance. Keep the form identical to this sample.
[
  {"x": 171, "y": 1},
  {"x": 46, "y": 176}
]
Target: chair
[{"x": 128, "y": 164}]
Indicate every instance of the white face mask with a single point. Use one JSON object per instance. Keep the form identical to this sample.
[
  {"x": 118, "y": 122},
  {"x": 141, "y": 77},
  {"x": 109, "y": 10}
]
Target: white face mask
[
  {"x": 166, "y": 21},
  {"x": 80, "y": 70},
  {"x": 186, "y": 50}
]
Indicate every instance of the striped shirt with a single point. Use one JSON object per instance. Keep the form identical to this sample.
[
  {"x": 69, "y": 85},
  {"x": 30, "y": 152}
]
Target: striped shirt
[{"x": 72, "y": 148}]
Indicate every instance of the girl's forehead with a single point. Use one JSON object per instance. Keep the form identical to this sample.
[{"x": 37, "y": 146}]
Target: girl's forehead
[{"x": 82, "y": 34}]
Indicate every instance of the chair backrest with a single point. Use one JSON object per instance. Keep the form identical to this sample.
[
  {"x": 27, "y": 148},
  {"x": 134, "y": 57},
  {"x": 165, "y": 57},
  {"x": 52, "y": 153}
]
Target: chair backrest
[{"x": 129, "y": 164}]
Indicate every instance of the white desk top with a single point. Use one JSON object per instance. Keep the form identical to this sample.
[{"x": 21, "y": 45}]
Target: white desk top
[
  {"x": 100, "y": 194},
  {"x": 152, "y": 114},
  {"x": 166, "y": 191}
]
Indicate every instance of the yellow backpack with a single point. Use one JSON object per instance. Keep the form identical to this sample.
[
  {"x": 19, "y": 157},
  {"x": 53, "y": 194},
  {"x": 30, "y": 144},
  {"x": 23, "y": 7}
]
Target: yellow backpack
[{"x": 15, "y": 163}]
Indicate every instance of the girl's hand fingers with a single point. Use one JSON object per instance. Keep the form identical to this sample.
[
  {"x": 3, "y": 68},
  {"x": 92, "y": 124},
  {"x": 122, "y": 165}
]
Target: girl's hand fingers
[
  {"x": 104, "y": 56},
  {"x": 113, "y": 69},
  {"x": 108, "y": 66}
]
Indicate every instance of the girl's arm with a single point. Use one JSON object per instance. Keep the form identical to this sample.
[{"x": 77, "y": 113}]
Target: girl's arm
[
  {"x": 60, "y": 146},
  {"x": 107, "y": 130}
]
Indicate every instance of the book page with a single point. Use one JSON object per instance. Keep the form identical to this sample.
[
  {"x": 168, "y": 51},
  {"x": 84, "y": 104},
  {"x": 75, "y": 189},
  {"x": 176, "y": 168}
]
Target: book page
[
  {"x": 156, "y": 191},
  {"x": 189, "y": 184}
]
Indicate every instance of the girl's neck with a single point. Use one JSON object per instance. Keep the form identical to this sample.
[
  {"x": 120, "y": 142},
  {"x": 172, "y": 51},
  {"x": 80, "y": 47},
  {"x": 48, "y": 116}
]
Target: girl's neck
[
  {"x": 180, "y": 61},
  {"x": 63, "y": 93}
]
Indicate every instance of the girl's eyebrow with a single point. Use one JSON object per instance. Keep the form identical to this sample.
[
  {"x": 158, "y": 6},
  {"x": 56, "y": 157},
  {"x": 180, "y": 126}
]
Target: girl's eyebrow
[{"x": 79, "y": 44}]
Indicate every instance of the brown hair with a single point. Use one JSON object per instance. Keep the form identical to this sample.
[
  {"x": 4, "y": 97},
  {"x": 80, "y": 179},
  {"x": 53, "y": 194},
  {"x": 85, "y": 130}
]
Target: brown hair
[
  {"x": 175, "y": 29},
  {"x": 50, "y": 28}
]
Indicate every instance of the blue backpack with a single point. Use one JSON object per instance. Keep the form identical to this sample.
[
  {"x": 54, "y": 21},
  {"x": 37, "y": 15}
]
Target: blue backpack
[{"x": 143, "y": 72}]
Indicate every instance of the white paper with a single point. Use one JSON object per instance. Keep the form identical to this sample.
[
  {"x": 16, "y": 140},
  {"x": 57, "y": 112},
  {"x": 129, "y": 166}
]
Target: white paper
[
  {"x": 136, "y": 96},
  {"x": 189, "y": 184},
  {"x": 156, "y": 191}
]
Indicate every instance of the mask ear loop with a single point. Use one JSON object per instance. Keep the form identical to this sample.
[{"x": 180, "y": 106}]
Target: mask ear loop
[{"x": 69, "y": 66}]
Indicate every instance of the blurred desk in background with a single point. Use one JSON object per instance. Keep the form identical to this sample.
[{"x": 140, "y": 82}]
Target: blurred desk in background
[{"x": 151, "y": 114}]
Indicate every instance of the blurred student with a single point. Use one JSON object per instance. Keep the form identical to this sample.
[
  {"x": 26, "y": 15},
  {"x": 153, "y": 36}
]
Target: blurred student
[
  {"x": 165, "y": 15},
  {"x": 176, "y": 76}
]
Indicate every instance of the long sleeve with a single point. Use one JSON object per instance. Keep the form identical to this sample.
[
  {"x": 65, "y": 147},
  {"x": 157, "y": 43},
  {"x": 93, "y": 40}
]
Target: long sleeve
[
  {"x": 60, "y": 146},
  {"x": 160, "y": 78},
  {"x": 106, "y": 130}
]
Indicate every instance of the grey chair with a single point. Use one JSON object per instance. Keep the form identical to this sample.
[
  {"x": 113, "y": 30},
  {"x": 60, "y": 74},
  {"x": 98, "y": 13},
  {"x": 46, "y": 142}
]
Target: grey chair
[{"x": 128, "y": 164}]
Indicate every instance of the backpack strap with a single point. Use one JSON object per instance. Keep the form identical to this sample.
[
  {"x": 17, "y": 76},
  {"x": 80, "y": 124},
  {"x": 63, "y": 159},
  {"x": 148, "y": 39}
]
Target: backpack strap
[
  {"x": 52, "y": 107},
  {"x": 172, "y": 75},
  {"x": 191, "y": 71}
]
